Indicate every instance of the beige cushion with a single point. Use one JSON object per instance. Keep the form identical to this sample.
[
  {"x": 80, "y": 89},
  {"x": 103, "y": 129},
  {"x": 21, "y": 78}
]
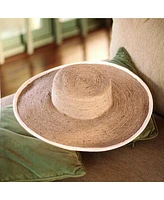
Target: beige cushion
[
  {"x": 144, "y": 40},
  {"x": 7, "y": 100}
]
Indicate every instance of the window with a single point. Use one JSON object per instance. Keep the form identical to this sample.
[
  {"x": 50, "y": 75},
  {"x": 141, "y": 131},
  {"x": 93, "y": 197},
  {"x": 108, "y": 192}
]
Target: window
[{"x": 13, "y": 36}]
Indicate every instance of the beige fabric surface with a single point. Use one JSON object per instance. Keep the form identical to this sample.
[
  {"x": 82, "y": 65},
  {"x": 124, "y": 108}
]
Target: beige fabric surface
[
  {"x": 144, "y": 163},
  {"x": 144, "y": 40},
  {"x": 7, "y": 100}
]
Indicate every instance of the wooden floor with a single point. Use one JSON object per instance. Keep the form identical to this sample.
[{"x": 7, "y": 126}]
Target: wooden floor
[{"x": 18, "y": 69}]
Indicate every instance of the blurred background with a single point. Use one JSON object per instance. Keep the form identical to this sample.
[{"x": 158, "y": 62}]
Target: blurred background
[{"x": 29, "y": 46}]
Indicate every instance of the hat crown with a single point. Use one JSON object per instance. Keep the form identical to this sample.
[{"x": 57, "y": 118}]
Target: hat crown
[{"x": 82, "y": 91}]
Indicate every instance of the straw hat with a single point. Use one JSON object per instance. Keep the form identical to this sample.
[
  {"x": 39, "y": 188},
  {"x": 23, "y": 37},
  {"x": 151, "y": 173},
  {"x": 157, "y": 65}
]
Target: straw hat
[{"x": 85, "y": 106}]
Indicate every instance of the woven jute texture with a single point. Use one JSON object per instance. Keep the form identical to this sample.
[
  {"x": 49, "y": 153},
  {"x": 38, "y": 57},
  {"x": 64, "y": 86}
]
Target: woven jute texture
[{"x": 83, "y": 105}]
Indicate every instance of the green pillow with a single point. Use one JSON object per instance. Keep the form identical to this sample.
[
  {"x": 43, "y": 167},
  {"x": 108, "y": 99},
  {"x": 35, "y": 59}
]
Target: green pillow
[
  {"x": 26, "y": 158},
  {"x": 123, "y": 59}
]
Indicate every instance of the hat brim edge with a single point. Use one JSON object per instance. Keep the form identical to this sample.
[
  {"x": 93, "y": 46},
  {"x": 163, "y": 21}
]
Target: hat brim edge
[{"x": 86, "y": 149}]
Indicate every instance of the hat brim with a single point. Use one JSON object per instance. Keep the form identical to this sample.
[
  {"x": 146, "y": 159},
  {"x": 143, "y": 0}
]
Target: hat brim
[{"x": 128, "y": 117}]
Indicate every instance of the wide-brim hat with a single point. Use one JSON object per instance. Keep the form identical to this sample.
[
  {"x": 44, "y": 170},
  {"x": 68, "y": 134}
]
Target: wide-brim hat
[{"x": 85, "y": 106}]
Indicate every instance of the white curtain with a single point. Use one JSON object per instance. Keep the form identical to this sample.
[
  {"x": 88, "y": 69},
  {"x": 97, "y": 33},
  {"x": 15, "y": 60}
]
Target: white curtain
[{"x": 10, "y": 27}]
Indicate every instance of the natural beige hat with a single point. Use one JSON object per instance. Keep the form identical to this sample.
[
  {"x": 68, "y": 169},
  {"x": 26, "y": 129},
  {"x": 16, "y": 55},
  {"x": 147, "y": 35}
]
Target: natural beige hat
[{"x": 84, "y": 106}]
